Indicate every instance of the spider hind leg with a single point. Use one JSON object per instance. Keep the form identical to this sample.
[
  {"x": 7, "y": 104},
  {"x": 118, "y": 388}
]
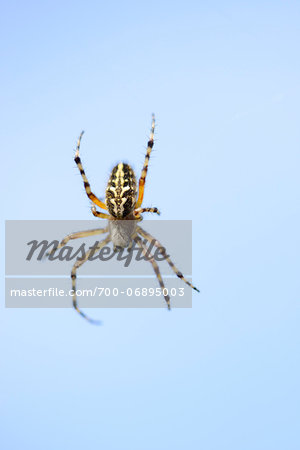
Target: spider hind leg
[
  {"x": 146, "y": 163},
  {"x": 87, "y": 186}
]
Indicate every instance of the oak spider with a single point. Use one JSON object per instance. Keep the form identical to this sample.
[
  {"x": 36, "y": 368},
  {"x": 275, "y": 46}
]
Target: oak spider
[{"x": 123, "y": 202}]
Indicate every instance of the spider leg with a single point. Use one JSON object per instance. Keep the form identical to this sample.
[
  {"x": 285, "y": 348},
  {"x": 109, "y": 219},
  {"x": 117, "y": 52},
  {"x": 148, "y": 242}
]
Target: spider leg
[
  {"x": 99, "y": 214},
  {"x": 145, "y": 252},
  {"x": 87, "y": 186},
  {"x": 79, "y": 234},
  {"x": 163, "y": 252},
  {"x": 139, "y": 211},
  {"x": 145, "y": 167},
  {"x": 76, "y": 266}
]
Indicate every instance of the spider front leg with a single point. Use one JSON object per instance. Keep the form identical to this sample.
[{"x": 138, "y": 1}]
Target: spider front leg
[
  {"x": 157, "y": 244},
  {"x": 73, "y": 277},
  {"x": 145, "y": 167},
  {"x": 79, "y": 234},
  {"x": 87, "y": 186},
  {"x": 145, "y": 252}
]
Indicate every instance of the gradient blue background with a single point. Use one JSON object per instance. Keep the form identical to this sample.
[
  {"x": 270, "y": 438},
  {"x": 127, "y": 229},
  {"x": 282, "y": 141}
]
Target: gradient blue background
[{"x": 223, "y": 80}]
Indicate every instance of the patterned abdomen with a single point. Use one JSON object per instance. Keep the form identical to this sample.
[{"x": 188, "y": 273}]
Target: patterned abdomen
[{"x": 121, "y": 191}]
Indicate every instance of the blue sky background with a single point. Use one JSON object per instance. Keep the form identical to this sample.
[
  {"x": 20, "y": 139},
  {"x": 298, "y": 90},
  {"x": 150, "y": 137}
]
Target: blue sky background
[{"x": 223, "y": 80}]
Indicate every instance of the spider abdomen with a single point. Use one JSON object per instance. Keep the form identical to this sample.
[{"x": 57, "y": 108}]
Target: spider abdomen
[{"x": 121, "y": 191}]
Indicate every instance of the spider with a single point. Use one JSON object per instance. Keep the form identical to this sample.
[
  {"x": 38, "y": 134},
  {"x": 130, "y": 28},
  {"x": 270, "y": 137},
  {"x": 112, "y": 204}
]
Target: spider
[{"x": 123, "y": 202}]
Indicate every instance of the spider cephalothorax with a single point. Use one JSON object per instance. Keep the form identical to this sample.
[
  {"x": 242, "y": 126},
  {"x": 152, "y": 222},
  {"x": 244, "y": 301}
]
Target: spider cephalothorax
[
  {"x": 121, "y": 191},
  {"x": 123, "y": 201}
]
